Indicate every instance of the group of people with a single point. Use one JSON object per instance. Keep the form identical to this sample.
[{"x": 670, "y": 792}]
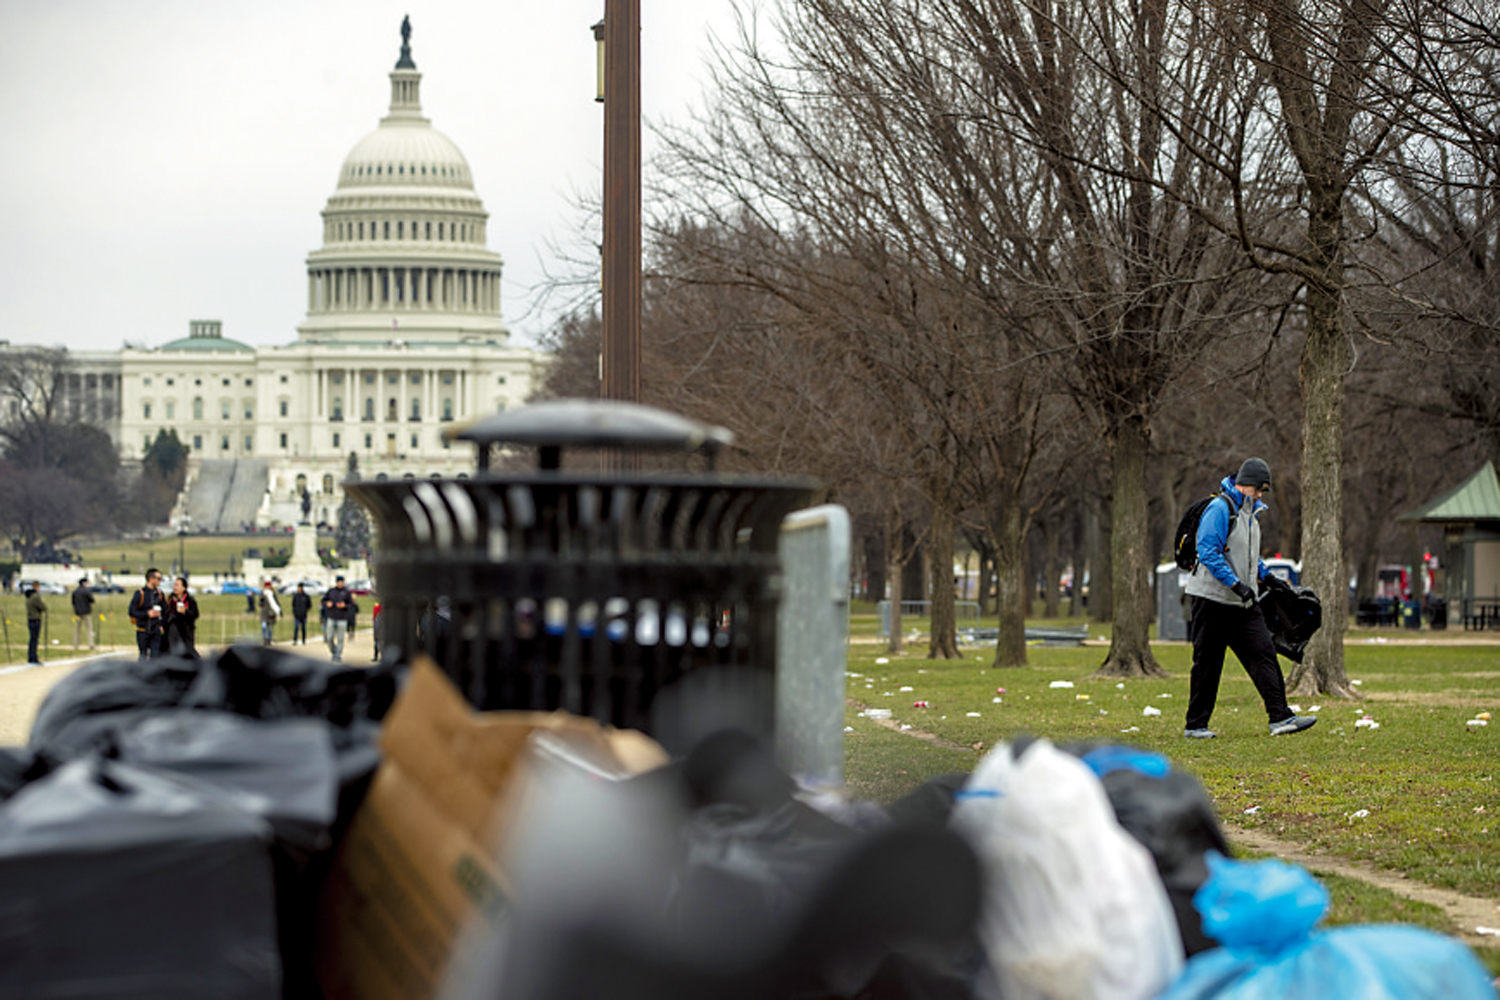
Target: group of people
[
  {"x": 338, "y": 609},
  {"x": 164, "y": 622}
]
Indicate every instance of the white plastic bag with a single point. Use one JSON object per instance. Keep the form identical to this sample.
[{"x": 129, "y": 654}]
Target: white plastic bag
[{"x": 1074, "y": 908}]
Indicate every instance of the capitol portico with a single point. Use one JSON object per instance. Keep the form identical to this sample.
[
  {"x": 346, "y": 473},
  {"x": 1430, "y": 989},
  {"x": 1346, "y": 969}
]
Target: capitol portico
[{"x": 403, "y": 337}]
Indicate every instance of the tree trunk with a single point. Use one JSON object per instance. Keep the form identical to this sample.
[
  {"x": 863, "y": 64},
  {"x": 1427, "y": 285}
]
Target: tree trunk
[
  {"x": 1130, "y": 648},
  {"x": 1325, "y": 361},
  {"x": 875, "y": 567},
  {"x": 1050, "y": 569},
  {"x": 1080, "y": 565},
  {"x": 1010, "y": 588},
  {"x": 1101, "y": 597},
  {"x": 895, "y": 567},
  {"x": 943, "y": 642}
]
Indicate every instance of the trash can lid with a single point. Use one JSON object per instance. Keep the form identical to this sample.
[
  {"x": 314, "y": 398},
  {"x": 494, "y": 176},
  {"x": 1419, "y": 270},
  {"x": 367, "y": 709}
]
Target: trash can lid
[{"x": 589, "y": 423}]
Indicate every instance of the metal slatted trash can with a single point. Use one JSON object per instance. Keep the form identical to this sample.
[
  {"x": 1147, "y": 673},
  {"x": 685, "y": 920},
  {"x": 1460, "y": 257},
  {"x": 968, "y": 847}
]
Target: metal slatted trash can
[{"x": 590, "y": 593}]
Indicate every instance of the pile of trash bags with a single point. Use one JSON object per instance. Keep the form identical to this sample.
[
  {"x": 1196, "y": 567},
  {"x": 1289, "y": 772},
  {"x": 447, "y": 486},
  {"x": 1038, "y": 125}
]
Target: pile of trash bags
[{"x": 173, "y": 827}]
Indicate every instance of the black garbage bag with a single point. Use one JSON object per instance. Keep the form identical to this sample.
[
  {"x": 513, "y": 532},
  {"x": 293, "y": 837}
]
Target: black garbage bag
[
  {"x": 126, "y": 882},
  {"x": 1171, "y": 815},
  {"x": 1293, "y": 614},
  {"x": 18, "y": 768},
  {"x": 87, "y": 702},
  {"x": 723, "y": 884}
]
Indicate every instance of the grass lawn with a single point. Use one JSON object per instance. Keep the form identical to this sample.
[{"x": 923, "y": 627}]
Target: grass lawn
[
  {"x": 1416, "y": 795},
  {"x": 204, "y": 555}
]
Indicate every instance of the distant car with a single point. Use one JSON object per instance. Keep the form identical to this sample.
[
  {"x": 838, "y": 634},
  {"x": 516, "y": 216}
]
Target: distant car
[
  {"x": 313, "y": 587},
  {"x": 229, "y": 587},
  {"x": 360, "y": 587},
  {"x": 44, "y": 587}
]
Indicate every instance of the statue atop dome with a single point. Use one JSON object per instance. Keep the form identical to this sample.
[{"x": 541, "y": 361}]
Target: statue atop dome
[{"x": 405, "y": 62}]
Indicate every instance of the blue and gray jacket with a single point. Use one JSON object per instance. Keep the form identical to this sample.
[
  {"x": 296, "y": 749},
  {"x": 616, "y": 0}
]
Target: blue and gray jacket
[{"x": 1228, "y": 547}]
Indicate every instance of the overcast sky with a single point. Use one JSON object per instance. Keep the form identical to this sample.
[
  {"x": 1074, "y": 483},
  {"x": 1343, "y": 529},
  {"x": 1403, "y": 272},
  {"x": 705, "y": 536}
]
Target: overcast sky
[{"x": 167, "y": 160}]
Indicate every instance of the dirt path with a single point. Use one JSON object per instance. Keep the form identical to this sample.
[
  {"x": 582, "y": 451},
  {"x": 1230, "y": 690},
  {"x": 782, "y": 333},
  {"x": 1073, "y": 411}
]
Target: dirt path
[{"x": 1467, "y": 912}]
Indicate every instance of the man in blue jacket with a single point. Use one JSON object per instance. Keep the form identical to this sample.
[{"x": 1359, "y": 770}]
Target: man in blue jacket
[{"x": 1225, "y": 612}]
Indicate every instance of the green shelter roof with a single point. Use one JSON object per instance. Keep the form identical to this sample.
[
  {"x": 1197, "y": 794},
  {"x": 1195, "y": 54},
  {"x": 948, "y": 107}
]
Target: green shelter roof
[{"x": 1475, "y": 499}]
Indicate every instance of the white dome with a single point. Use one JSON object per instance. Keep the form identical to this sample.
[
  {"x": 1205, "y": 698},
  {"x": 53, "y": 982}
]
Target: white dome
[{"x": 405, "y": 153}]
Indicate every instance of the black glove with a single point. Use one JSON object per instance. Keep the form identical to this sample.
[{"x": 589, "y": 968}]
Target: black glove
[{"x": 1242, "y": 591}]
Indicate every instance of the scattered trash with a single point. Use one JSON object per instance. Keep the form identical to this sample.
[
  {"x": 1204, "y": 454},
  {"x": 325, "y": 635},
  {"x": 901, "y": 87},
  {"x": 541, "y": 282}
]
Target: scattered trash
[
  {"x": 886, "y": 694},
  {"x": 921, "y": 671},
  {"x": 920, "y": 704},
  {"x": 1060, "y": 684},
  {"x": 907, "y": 687},
  {"x": 1252, "y": 810},
  {"x": 1295, "y": 708},
  {"x": 995, "y": 700},
  {"x": 1103, "y": 711},
  {"x": 853, "y": 674},
  {"x": 1472, "y": 722},
  {"x": 1365, "y": 722},
  {"x": 876, "y": 713},
  {"x": 973, "y": 715},
  {"x": 1488, "y": 931},
  {"x": 1002, "y": 691},
  {"x": 883, "y": 659},
  {"x": 1164, "y": 695},
  {"x": 1315, "y": 708},
  {"x": 1132, "y": 729},
  {"x": 1483, "y": 715},
  {"x": 1150, "y": 710},
  {"x": 1358, "y": 814},
  {"x": 1080, "y": 697},
  {"x": 848, "y": 729},
  {"x": 905, "y": 726},
  {"x": 1356, "y": 683},
  {"x": 1121, "y": 685}
]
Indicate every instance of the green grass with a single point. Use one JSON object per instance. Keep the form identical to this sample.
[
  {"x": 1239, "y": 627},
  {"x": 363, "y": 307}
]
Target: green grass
[
  {"x": 204, "y": 555},
  {"x": 1429, "y": 782}
]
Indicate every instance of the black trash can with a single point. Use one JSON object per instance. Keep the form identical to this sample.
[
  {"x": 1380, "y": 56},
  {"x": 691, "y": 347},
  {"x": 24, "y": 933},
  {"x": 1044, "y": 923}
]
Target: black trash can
[
  {"x": 1411, "y": 614},
  {"x": 1437, "y": 613},
  {"x": 586, "y": 592}
]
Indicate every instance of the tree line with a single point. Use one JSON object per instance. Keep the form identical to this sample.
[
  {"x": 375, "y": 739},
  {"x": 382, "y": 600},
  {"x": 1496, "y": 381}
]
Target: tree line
[
  {"x": 1037, "y": 275},
  {"x": 60, "y": 475}
]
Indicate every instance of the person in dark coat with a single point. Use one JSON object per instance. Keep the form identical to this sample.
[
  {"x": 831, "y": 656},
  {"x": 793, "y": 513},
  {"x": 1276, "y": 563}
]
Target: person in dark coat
[
  {"x": 36, "y": 611},
  {"x": 83, "y": 615},
  {"x": 301, "y": 605},
  {"x": 147, "y": 610},
  {"x": 182, "y": 620}
]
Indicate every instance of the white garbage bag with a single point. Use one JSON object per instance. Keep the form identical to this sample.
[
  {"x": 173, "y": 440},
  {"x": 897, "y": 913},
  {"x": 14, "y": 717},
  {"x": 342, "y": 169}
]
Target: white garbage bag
[{"x": 1074, "y": 908}]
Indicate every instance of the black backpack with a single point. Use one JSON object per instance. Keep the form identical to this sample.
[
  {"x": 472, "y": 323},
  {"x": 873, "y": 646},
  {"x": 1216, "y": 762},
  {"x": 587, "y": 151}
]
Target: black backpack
[{"x": 1185, "y": 542}]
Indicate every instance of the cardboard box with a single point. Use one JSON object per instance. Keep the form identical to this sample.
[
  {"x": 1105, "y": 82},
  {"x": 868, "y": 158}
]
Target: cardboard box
[{"x": 418, "y": 862}]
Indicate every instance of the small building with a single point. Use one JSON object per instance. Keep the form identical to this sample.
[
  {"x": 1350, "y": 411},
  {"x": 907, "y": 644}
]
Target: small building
[{"x": 1470, "y": 517}]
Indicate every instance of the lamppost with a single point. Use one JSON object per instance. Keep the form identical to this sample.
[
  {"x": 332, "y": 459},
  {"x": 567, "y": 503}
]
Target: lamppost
[
  {"x": 182, "y": 530},
  {"x": 618, "y": 38}
]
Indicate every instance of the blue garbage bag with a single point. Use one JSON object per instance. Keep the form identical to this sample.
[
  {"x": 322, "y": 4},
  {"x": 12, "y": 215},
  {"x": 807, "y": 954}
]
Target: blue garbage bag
[{"x": 1263, "y": 914}]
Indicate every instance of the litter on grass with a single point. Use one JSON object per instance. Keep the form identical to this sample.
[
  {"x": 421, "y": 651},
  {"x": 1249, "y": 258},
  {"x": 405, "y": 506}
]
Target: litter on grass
[
  {"x": 1252, "y": 810},
  {"x": 973, "y": 715},
  {"x": 1132, "y": 729},
  {"x": 1121, "y": 685},
  {"x": 907, "y": 687},
  {"x": 883, "y": 659},
  {"x": 1060, "y": 684},
  {"x": 876, "y": 713},
  {"x": 1477, "y": 722},
  {"x": 995, "y": 700},
  {"x": 1358, "y": 814},
  {"x": 1149, "y": 710},
  {"x": 1365, "y": 722},
  {"x": 1080, "y": 697}
]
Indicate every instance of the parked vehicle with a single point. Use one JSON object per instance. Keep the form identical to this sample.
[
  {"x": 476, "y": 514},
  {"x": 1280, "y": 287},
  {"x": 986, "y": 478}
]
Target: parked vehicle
[{"x": 313, "y": 587}]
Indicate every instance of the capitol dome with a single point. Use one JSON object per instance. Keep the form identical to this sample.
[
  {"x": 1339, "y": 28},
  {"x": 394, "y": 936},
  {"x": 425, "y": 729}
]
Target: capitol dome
[{"x": 404, "y": 255}]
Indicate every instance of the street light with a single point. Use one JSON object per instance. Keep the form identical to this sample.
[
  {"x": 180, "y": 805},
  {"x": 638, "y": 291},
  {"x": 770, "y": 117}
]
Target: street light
[{"x": 599, "y": 57}]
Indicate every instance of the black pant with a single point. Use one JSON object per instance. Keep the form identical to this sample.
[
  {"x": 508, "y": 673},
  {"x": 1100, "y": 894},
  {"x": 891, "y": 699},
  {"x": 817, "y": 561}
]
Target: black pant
[
  {"x": 299, "y": 627},
  {"x": 149, "y": 643},
  {"x": 1216, "y": 627},
  {"x": 34, "y": 626}
]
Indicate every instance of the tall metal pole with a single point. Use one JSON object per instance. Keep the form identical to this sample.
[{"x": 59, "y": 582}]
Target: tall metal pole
[{"x": 622, "y": 201}]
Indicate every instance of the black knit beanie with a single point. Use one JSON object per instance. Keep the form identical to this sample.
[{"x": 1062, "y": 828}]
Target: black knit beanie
[{"x": 1255, "y": 472}]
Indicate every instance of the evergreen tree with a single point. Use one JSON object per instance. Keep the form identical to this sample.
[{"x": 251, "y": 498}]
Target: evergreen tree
[{"x": 353, "y": 533}]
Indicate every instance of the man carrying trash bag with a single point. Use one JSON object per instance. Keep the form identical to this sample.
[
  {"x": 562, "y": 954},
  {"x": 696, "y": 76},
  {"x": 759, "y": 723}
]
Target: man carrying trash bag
[{"x": 1225, "y": 612}]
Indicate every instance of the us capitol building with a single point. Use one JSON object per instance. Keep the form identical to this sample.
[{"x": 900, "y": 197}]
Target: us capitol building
[{"x": 403, "y": 337}]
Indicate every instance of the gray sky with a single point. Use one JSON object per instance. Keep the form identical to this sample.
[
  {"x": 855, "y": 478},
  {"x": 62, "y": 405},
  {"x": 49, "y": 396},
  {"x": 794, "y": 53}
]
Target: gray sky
[{"x": 167, "y": 160}]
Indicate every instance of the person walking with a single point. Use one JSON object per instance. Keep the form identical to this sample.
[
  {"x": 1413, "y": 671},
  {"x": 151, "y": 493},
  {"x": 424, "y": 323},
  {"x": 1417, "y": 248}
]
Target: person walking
[
  {"x": 147, "y": 607},
  {"x": 270, "y": 611},
  {"x": 338, "y": 604},
  {"x": 301, "y": 605},
  {"x": 83, "y": 614},
  {"x": 36, "y": 611},
  {"x": 1225, "y": 613},
  {"x": 182, "y": 620}
]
